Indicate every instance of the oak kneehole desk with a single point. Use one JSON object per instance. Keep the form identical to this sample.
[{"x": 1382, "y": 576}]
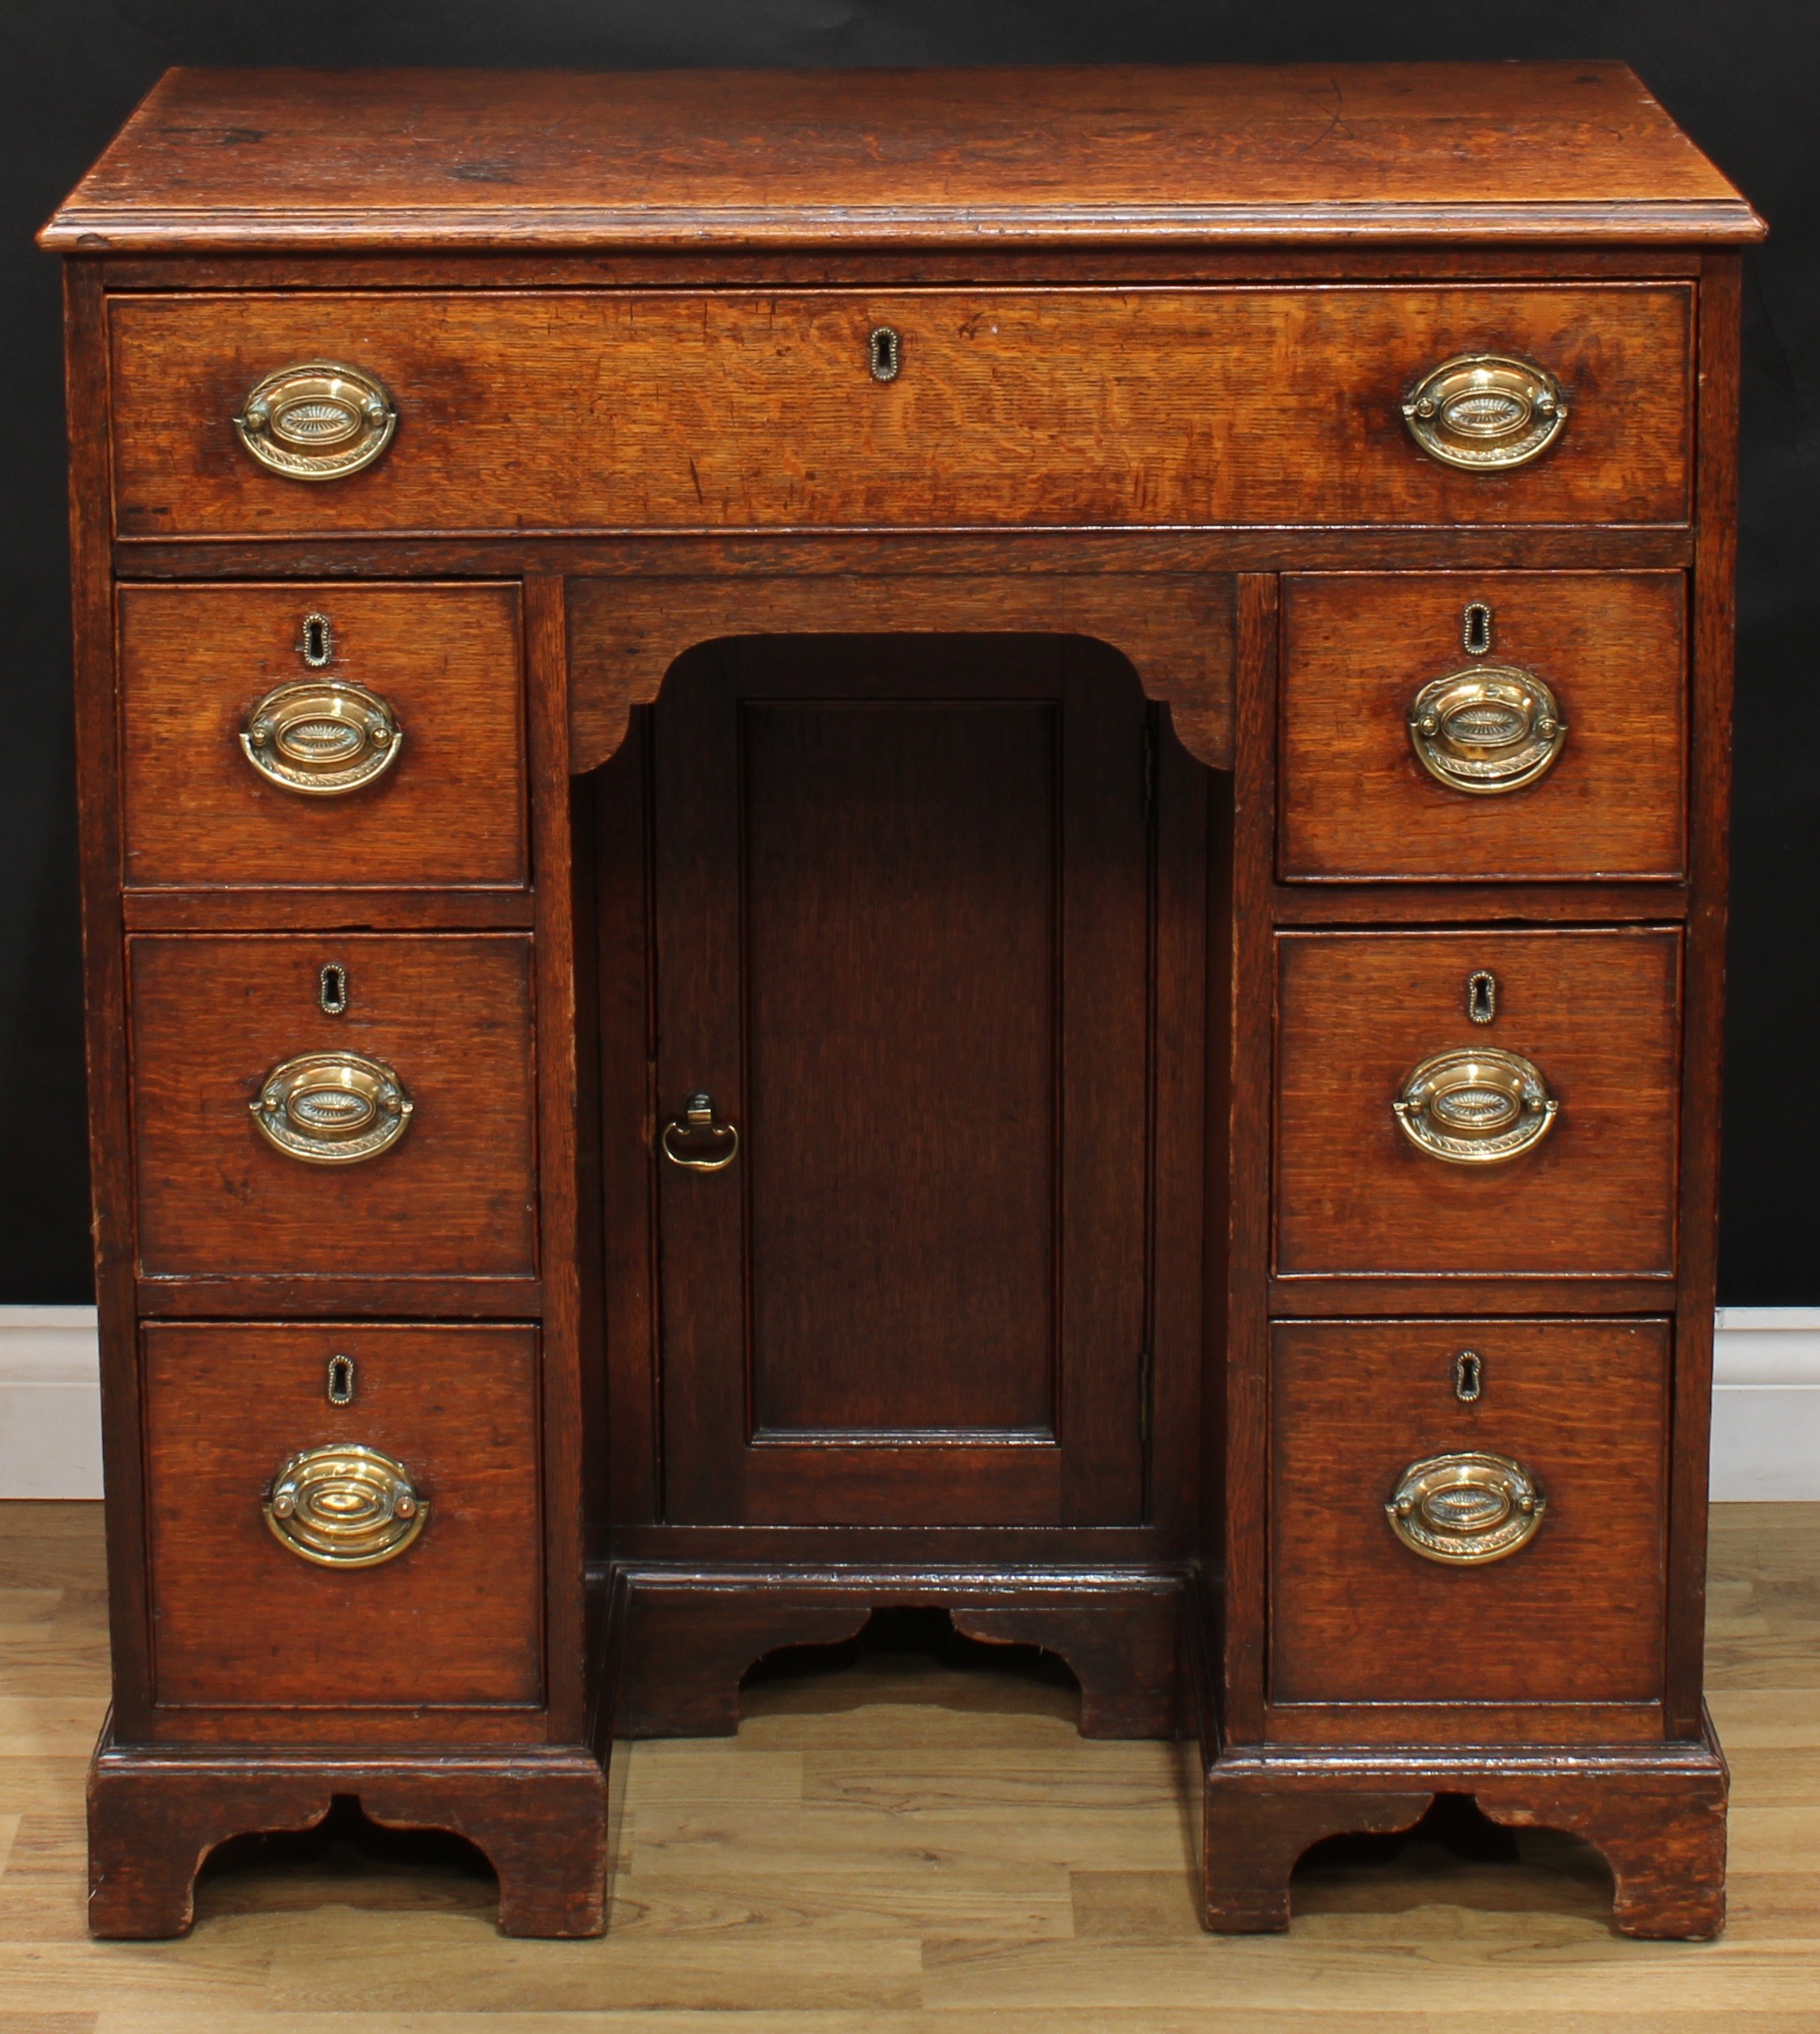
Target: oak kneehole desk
[{"x": 877, "y": 839}]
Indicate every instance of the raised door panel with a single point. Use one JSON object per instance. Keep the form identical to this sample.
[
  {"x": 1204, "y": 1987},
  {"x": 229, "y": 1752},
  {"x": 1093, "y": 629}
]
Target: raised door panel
[
  {"x": 667, "y": 410},
  {"x": 903, "y": 940}
]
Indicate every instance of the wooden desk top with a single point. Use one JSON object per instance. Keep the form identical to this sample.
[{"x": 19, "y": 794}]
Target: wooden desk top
[{"x": 278, "y": 160}]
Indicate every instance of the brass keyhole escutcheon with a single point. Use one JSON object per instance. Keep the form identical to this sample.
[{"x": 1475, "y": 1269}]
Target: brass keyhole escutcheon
[
  {"x": 698, "y": 1140},
  {"x": 885, "y": 353}
]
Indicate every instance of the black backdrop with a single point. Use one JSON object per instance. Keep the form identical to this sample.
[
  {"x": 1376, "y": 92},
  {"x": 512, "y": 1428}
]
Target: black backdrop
[{"x": 1744, "y": 79}]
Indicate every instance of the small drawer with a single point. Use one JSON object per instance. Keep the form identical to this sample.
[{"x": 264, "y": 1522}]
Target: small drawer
[
  {"x": 1539, "y": 1141},
  {"x": 384, "y": 1550},
  {"x": 1559, "y": 1604},
  {"x": 392, "y": 1138},
  {"x": 483, "y": 410},
  {"x": 327, "y": 736},
  {"x": 1483, "y": 726}
]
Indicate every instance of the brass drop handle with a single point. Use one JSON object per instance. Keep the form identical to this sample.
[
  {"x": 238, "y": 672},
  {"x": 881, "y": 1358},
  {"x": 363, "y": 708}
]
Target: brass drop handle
[
  {"x": 1475, "y": 1106},
  {"x": 346, "y": 1505},
  {"x": 1489, "y": 729},
  {"x": 321, "y": 736},
  {"x": 698, "y": 1141},
  {"x": 331, "y": 1108},
  {"x": 317, "y": 421},
  {"x": 1467, "y": 1509},
  {"x": 1486, "y": 412}
]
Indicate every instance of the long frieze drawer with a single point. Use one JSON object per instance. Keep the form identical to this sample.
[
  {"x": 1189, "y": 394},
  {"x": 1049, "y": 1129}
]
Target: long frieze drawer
[
  {"x": 1477, "y": 1101},
  {"x": 1481, "y": 1502},
  {"x": 343, "y": 1516},
  {"x": 1454, "y": 725},
  {"x": 322, "y": 735},
  {"x": 307, "y": 411},
  {"x": 342, "y": 1105}
]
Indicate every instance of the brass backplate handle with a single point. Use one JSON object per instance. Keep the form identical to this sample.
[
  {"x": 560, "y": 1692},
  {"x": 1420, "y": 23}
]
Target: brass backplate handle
[
  {"x": 331, "y": 1108},
  {"x": 1475, "y": 1106},
  {"x": 346, "y": 1505},
  {"x": 1467, "y": 1509},
  {"x": 317, "y": 421},
  {"x": 321, "y": 736},
  {"x": 1488, "y": 729},
  {"x": 1486, "y": 412},
  {"x": 698, "y": 1141}
]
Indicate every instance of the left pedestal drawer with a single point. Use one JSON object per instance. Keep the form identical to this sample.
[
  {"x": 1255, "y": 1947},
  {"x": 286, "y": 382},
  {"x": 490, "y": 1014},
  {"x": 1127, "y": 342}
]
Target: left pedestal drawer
[
  {"x": 343, "y": 1515},
  {"x": 343, "y": 1107}
]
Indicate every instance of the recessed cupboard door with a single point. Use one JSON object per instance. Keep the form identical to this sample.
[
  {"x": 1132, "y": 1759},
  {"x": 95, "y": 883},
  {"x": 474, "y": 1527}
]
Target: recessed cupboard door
[{"x": 903, "y": 933}]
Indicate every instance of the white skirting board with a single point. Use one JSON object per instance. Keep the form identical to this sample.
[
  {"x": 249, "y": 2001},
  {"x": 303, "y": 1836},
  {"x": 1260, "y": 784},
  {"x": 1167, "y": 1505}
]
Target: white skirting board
[{"x": 1766, "y": 1425}]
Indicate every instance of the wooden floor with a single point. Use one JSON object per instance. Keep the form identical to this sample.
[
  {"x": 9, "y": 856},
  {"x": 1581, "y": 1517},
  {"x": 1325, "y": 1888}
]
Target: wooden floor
[{"x": 908, "y": 1844}]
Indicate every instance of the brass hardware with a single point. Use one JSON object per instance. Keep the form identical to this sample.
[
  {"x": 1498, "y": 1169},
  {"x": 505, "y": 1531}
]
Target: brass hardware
[
  {"x": 1464, "y": 1511},
  {"x": 1481, "y": 996},
  {"x": 1487, "y": 729},
  {"x": 1485, "y": 411},
  {"x": 331, "y": 991},
  {"x": 322, "y": 736},
  {"x": 340, "y": 1381},
  {"x": 331, "y": 1108},
  {"x": 344, "y": 1506},
  {"x": 1469, "y": 1376},
  {"x": 1475, "y": 629},
  {"x": 698, "y": 1120},
  {"x": 316, "y": 645},
  {"x": 1477, "y": 1105},
  {"x": 317, "y": 421},
  {"x": 885, "y": 353}
]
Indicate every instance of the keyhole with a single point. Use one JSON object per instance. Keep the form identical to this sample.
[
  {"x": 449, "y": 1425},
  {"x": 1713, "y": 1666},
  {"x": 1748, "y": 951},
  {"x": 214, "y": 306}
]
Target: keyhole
[
  {"x": 333, "y": 989},
  {"x": 1481, "y": 996},
  {"x": 1469, "y": 1376},
  {"x": 340, "y": 1381},
  {"x": 885, "y": 353},
  {"x": 317, "y": 648},
  {"x": 1475, "y": 629}
]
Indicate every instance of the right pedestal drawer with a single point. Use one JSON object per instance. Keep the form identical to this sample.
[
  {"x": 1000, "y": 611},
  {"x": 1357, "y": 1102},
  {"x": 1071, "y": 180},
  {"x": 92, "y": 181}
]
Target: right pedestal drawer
[
  {"x": 1477, "y": 1101},
  {"x": 1467, "y": 1514},
  {"x": 1483, "y": 726}
]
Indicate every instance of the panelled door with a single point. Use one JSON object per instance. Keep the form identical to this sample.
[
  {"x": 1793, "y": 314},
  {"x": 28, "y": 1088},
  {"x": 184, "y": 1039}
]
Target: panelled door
[{"x": 903, "y": 932}]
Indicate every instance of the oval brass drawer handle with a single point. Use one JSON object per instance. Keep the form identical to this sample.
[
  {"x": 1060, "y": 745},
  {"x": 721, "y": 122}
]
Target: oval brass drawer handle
[
  {"x": 1475, "y": 1106},
  {"x": 331, "y": 1108},
  {"x": 322, "y": 736},
  {"x": 344, "y": 1506},
  {"x": 317, "y": 421},
  {"x": 1486, "y": 411},
  {"x": 1464, "y": 1511},
  {"x": 1488, "y": 729}
]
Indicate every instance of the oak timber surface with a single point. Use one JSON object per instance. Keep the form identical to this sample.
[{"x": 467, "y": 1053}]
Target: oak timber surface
[
  {"x": 259, "y": 159},
  {"x": 780, "y": 1884}
]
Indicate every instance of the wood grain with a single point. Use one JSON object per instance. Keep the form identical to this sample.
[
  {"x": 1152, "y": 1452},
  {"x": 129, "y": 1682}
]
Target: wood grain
[
  {"x": 244, "y": 1624},
  {"x": 450, "y": 1012},
  {"x": 1356, "y": 801},
  {"x": 1574, "y": 1616},
  {"x": 667, "y": 409},
  {"x": 195, "y": 659},
  {"x": 1598, "y": 1013},
  {"x": 405, "y": 160}
]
